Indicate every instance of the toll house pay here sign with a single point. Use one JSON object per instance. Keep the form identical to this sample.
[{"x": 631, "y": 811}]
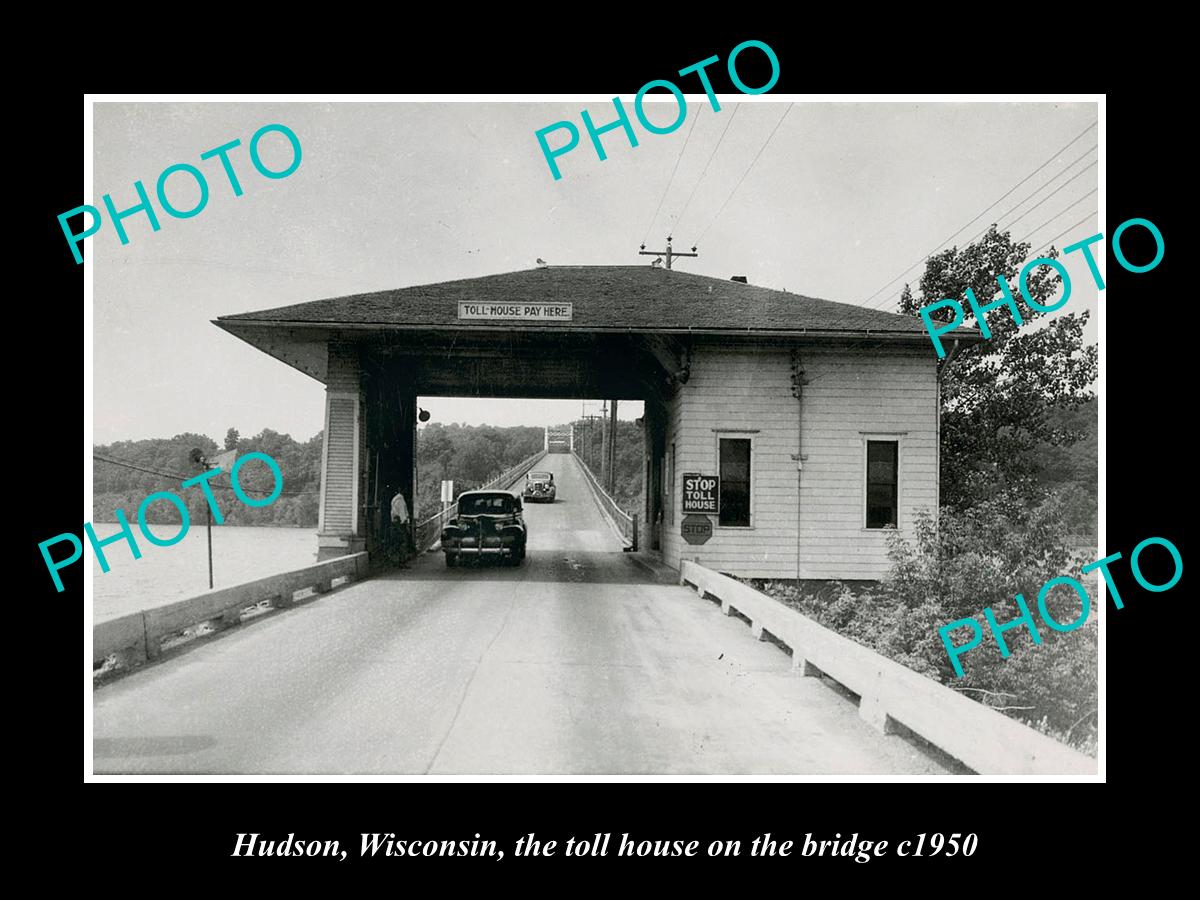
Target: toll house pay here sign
[{"x": 701, "y": 493}]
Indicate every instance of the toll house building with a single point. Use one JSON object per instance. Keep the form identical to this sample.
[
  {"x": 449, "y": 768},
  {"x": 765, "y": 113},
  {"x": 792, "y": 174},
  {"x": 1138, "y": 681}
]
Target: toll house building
[{"x": 814, "y": 422}]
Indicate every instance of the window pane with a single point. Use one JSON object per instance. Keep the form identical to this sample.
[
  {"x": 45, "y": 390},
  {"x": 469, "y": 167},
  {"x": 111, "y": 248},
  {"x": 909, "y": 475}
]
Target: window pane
[
  {"x": 879, "y": 495},
  {"x": 881, "y": 472},
  {"x": 735, "y": 504},
  {"x": 878, "y": 451},
  {"x": 882, "y": 483},
  {"x": 880, "y": 517},
  {"x": 735, "y": 459},
  {"x": 735, "y": 481}
]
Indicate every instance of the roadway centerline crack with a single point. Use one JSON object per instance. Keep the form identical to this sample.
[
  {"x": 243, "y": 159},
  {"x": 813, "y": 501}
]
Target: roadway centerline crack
[{"x": 512, "y": 603}]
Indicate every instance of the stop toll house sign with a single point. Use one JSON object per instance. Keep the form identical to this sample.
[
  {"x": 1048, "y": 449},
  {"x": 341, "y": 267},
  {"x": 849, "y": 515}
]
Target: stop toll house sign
[{"x": 701, "y": 493}]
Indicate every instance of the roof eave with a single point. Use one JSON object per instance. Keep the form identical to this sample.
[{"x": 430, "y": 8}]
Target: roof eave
[{"x": 863, "y": 334}]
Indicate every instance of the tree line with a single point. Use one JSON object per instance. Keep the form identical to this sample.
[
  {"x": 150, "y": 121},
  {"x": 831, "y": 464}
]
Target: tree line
[
  {"x": 123, "y": 483},
  {"x": 125, "y": 472},
  {"x": 468, "y": 455}
]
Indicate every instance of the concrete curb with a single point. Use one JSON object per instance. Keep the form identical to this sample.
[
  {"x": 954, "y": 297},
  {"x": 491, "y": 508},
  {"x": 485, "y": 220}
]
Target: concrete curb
[{"x": 655, "y": 567}]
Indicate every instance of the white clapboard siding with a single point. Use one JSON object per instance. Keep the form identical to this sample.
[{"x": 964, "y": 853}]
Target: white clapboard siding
[
  {"x": 343, "y": 371},
  {"x": 885, "y": 392},
  {"x": 338, "y": 483},
  {"x": 340, "y": 452}
]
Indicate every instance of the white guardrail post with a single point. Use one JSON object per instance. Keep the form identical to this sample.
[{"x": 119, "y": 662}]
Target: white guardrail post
[{"x": 985, "y": 740}]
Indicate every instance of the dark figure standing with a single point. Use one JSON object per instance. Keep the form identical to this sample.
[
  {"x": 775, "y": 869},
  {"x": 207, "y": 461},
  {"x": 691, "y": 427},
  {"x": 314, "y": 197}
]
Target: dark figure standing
[{"x": 402, "y": 537}]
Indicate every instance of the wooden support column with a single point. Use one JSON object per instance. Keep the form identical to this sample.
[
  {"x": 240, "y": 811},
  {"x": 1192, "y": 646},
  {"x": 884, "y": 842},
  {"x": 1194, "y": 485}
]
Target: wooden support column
[{"x": 390, "y": 449}]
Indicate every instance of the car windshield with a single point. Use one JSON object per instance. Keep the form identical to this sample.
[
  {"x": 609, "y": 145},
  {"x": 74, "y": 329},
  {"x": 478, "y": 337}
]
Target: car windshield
[
  {"x": 487, "y": 504},
  {"x": 539, "y": 476}
]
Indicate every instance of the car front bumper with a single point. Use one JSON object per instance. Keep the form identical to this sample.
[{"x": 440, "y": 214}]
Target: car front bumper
[{"x": 489, "y": 546}]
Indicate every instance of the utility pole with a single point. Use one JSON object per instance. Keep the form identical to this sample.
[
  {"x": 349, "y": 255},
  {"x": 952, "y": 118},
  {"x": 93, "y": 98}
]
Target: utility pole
[
  {"x": 611, "y": 459},
  {"x": 198, "y": 457},
  {"x": 589, "y": 449},
  {"x": 223, "y": 462},
  {"x": 604, "y": 442},
  {"x": 669, "y": 253}
]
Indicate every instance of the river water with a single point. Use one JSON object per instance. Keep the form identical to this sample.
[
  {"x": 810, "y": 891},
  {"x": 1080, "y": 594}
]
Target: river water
[{"x": 166, "y": 574}]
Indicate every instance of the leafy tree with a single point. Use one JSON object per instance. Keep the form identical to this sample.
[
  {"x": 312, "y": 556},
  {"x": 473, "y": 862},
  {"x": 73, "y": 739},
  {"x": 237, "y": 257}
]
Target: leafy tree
[
  {"x": 1000, "y": 397},
  {"x": 476, "y": 460},
  {"x": 231, "y": 438},
  {"x": 124, "y": 484},
  {"x": 1071, "y": 471},
  {"x": 469, "y": 455}
]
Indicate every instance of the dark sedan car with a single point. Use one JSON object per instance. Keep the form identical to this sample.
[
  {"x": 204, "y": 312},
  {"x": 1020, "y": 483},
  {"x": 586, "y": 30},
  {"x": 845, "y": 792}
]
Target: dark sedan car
[
  {"x": 487, "y": 524},
  {"x": 540, "y": 486}
]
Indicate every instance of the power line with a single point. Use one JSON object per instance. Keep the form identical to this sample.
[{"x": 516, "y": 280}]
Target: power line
[
  {"x": 1059, "y": 213},
  {"x": 1040, "y": 227},
  {"x": 747, "y": 172},
  {"x": 129, "y": 465},
  {"x": 1051, "y": 194},
  {"x": 1034, "y": 192},
  {"x": 1061, "y": 233},
  {"x": 671, "y": 180},
  {"x": 1057, "y": 236},
  {"x": 181, "y": 478},
  {"x": 711, "y": 156},
  {"x": 884, "y": 302},
  {"x": 994, "y": 203}
]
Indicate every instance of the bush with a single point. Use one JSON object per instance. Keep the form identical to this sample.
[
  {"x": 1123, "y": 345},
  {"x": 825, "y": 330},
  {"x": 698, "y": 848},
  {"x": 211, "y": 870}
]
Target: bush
[{"x": 952, "y": 569}]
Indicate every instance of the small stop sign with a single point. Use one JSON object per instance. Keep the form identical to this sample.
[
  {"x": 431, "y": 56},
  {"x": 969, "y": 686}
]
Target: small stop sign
[{"x": 696, "y": 529}]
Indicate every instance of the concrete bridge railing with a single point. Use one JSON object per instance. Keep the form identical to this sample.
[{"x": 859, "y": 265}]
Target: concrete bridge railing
[
  {"x": 139, "y": 636},
  {"x": 626, "y": 524},
  {"x": 985, "y": 740},
  {"x": 430, "y": 530}
]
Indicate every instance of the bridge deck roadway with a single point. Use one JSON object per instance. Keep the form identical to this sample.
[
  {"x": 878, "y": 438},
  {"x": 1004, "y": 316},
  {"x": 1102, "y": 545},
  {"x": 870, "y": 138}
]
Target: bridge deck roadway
[{"x": 576, "y": 662}]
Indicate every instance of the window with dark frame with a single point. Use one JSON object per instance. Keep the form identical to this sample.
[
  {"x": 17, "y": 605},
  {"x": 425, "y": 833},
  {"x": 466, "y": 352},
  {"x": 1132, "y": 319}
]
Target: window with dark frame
[
  {"x": 735, "y": 481},
  {"x": 883, "y": 468}
]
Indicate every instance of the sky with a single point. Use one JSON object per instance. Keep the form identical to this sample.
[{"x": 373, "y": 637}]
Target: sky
[{"x": 841, "y": 199}]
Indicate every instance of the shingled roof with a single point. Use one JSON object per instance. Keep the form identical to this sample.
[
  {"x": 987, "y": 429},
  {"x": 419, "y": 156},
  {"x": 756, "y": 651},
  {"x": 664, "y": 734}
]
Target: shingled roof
[{"x": 618, "y": 298}]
